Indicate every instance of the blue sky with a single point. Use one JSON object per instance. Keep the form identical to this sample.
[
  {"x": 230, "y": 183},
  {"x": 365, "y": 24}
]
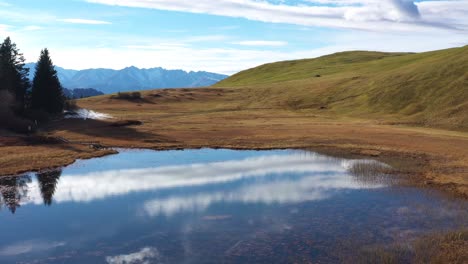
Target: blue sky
[{"x": 224, "y": 36}]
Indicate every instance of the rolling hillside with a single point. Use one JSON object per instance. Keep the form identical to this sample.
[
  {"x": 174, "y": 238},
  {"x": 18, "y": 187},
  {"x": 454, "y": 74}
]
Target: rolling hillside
[{"x": 423, "y": 89}]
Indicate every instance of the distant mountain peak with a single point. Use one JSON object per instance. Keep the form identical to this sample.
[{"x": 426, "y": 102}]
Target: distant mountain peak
[
  {"x": 131, "y": 68},
  {"x": 132, "y": 78}
]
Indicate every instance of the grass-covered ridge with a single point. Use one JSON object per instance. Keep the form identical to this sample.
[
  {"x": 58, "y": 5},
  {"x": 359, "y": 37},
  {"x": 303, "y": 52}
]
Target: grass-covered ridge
[{"x": 425, "y": 89}]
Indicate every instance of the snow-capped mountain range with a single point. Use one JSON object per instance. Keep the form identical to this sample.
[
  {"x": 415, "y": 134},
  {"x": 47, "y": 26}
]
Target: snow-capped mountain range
[{"x": 131, "y": 78}]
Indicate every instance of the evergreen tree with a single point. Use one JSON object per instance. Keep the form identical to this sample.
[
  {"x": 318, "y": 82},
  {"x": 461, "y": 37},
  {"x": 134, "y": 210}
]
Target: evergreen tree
[
  {"x": 48, "y": 184},
  {"x": 13, "y": 74},
  {"x": 13, "y": 191},
  {"x": 47, "y": 92}
]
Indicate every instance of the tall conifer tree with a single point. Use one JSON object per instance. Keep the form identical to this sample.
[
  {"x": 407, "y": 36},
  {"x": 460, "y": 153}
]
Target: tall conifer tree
[
  {"x": 47, "y": 93},
  {"x": 13, "y": 73}
]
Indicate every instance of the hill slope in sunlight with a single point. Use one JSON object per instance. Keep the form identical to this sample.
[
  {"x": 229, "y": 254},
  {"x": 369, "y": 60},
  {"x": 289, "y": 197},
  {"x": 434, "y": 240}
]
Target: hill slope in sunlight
[{"x": 424, "y": 89}]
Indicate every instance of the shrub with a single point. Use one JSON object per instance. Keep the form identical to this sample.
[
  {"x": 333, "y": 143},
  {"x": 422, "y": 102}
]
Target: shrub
[
  {"x": 16, "y": 124},
  {"x": 8, "y": 119},
  {"x": 38, "y": 116},
  {"x": 70, "y": 105},
  {"x": 128, "y": 96},
  {"x": 136, "y": 95}
]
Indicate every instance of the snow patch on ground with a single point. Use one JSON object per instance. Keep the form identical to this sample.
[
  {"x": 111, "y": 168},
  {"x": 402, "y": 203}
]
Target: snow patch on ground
[{"x": 87, "y": 114}]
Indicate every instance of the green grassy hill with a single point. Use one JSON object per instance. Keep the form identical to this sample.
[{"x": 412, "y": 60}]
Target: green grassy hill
[{"x": 424, "y": 89}]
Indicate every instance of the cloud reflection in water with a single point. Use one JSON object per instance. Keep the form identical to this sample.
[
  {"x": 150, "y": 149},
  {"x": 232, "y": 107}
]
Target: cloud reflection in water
[{"x": 282, "y": 178}]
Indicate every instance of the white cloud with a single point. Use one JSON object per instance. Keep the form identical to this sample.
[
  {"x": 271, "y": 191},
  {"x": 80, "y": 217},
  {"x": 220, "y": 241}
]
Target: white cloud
[
  {"x": 144, "y": 256},
  {"x": 375, "y": 15},
  {"x": 84, "y": 21},
  {"x": 262, "y": 43},
  {"x": 394, "y": 10},
  {"x": 206, "y": 38},
  {"x": 446, "y": 12},
  {"x": 32, "y": 28},
  {"x": 4, "y": 4},
  {"x": 4, "y": 30},
  {"x": 312, "y": 187},
  {"x": 29, "y": 246}
]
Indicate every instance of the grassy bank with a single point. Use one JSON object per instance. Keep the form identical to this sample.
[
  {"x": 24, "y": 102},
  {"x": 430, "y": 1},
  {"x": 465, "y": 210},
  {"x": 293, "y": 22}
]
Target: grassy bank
[{"x": 425, "y": 89}]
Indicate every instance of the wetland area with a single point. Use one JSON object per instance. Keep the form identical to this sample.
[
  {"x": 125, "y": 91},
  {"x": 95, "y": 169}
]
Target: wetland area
[{"x": 220, "y": 206}]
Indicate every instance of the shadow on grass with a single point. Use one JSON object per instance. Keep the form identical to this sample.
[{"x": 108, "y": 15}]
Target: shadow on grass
[{"x": 99, "y": 130}]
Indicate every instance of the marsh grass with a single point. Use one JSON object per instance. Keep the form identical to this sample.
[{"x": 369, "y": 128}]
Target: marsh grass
[
  {"x": 369, "y": 172},
  {"x": 382, "y": 255},
  {"x": 441, "y": 248},
  {"x": 436, "y": 248}
]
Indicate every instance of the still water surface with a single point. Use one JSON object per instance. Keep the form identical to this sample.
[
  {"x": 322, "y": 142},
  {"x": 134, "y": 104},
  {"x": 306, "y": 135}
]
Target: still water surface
[{"x": 211, "y": 206}]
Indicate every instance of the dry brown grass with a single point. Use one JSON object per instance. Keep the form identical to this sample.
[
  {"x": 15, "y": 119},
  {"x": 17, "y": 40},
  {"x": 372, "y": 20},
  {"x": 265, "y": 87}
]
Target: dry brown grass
[
  {"x": 442, "y": 248},
  {"x": 437, "y": 248},
  {"x": 18, "y": 157}
]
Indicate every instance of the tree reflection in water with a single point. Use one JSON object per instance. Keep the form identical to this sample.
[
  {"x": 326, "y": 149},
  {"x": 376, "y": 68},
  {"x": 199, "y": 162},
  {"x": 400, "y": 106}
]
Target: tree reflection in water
[
  {"x": 14, "y": 189},
  {"x": 48, "y": 183}
]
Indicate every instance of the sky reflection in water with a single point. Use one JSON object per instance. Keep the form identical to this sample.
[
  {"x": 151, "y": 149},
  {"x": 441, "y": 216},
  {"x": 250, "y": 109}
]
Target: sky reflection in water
[
  {"x": 149, "y": 197},
  {"x": 280, "y": 178}
]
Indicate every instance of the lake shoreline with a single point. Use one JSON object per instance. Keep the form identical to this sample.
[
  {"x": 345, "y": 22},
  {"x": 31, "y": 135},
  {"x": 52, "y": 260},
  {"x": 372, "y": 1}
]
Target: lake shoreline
[
  {"x": 171, "y": 119},
  {"x": 414, "y": 173}
]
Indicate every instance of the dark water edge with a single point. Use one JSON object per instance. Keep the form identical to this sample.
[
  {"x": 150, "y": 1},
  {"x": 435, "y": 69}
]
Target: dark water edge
[{"x": 215, "y": 206}]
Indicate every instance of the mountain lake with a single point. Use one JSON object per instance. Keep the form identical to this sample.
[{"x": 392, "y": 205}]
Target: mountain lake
[{"x": 215, "y": 206}]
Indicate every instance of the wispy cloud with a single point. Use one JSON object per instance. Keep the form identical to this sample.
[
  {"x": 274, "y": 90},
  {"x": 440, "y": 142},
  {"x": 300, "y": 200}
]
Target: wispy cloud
[
  {"x": 171, "y": 54},
  {"x": 4, "y": 31},
  {"x": 159, "y": 46},
  {"x": 199, "y": 42},
  {"x": 4, "y": 4},
  {"x": 29, "y": 246},
  {"x": 173, "y": 43},
  {"x": 32, "y": 28},
  {"x": 261, "y": 43},
  {"x": 375, "y": 15},
  {"x": 226, "y": 27},
  {"x": 4, "y": 27},
  {"x": 85, "y": 21},
  {"x": 206, "y": 38}
]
